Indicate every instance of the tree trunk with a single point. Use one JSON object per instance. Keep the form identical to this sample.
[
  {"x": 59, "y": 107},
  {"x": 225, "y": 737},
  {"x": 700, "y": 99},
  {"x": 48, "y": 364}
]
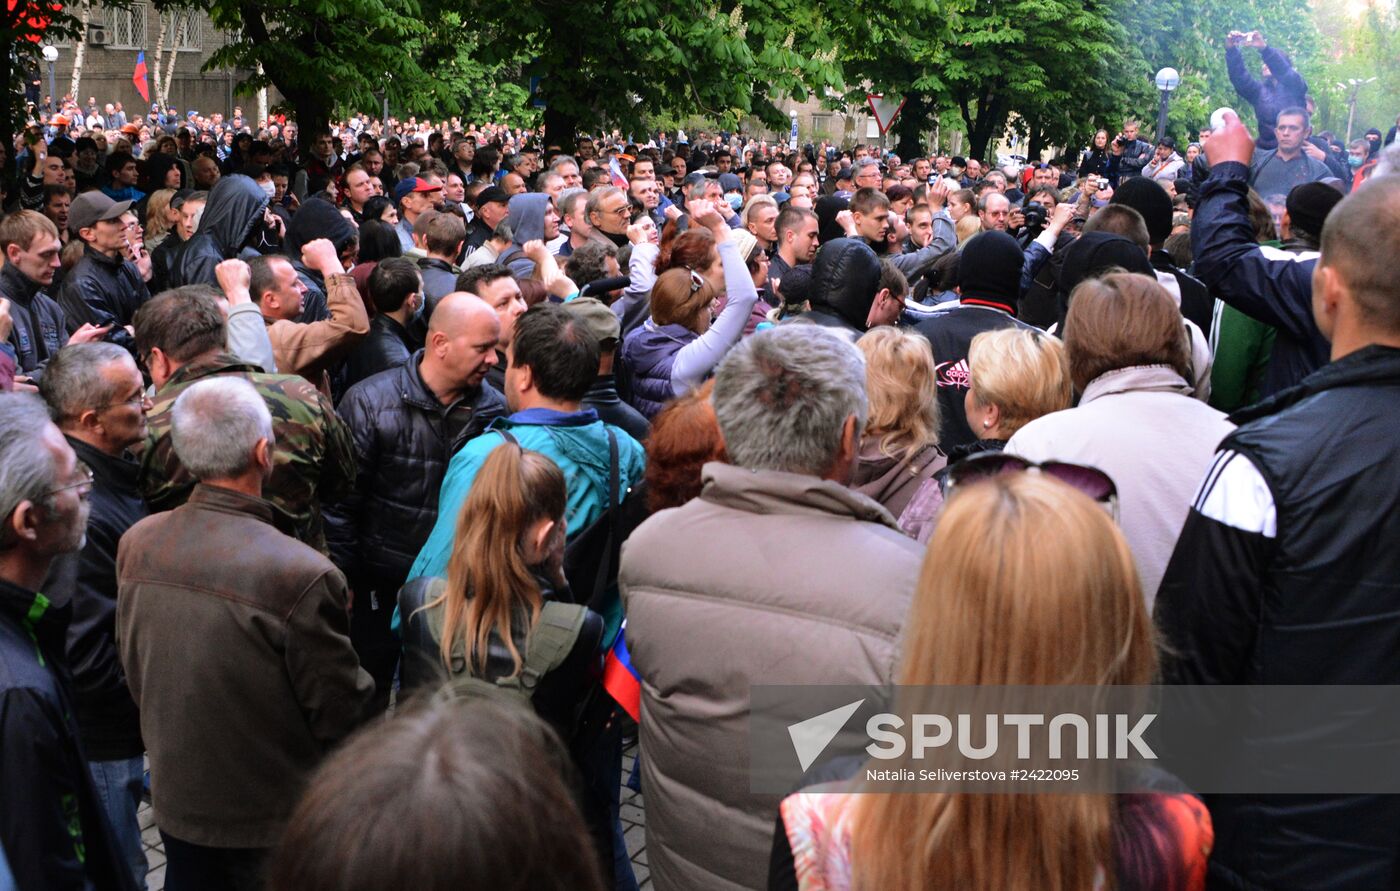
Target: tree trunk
[
  {"x": 559, "y": 128},
  {"x": 1035, "y": 144},
  {"x": 160, "y": 48},
  {"x": 79, "y": 51},
  {"x": 991, "y": 117},
  {"x": 911, "y": 127},
  {"x": 174, "y": 54}
]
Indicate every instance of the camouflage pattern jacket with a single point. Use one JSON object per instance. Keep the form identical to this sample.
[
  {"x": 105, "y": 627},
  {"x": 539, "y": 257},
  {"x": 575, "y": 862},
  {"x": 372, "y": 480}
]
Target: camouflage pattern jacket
[{"x": 314, "y": 456}]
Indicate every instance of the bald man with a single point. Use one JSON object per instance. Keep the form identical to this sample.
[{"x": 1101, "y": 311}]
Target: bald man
[{"x": 407, "y": 422}]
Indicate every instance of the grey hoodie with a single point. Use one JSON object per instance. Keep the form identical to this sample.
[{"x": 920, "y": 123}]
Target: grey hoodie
[{"x": 526, "y": 220}]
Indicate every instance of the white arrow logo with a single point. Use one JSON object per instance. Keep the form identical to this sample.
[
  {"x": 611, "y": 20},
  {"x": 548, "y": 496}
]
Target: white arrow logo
[{"x": 811, "y": 737}]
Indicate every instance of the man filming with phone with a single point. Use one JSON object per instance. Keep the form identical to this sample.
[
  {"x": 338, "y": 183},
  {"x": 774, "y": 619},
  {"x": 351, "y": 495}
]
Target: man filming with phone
[{"x": 1280, "y": 86}]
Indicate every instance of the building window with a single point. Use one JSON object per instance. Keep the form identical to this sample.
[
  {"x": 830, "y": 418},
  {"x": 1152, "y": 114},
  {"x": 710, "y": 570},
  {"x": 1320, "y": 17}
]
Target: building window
[
  {"x": 186, "y": 31},
  {"x": 126, "y": 28}
]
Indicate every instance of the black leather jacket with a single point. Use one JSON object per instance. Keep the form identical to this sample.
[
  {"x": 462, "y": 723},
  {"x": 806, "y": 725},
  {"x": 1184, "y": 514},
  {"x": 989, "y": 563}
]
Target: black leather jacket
[
  {"x": 107, "y": 716},
  {"x": 388, "y": 345},
  {"x": 40, "y": 329},
  {"x": 103, "y": 290},
  {"x": 403, "y": 443}
]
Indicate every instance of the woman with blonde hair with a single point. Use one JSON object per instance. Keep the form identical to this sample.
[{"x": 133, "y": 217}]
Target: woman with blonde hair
[
  {"x": 1027, "y": 583},
  {"x": 682, "y": 343},
  {"x": 900, "y": 450},
  {"x": 160, "y": 217},
  {"x": 1130, "y": 359},
  {"x": 1014, "y": 376},
  {"x": 967, "y": 227}
]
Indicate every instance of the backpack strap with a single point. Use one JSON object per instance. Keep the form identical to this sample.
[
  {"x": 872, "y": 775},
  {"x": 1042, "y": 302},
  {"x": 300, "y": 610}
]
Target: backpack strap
[
  {"x": 507, "y": 436},
  {"x": 551, "y": 641},
  {"x": 605, "y": 566}
]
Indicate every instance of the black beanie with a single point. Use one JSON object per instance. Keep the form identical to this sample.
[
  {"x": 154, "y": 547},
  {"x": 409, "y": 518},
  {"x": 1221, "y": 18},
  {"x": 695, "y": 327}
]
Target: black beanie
[
  {"x": 990, "y": 268},
  {"x": 1152, "y": 201},
  {"x": 1308, "y": 206},
  {"x": 1094, "y": 252}
]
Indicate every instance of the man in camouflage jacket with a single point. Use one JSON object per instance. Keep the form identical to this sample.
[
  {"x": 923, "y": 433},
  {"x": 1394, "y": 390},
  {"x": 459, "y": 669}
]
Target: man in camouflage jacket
[{"x": 180, "y": 337}]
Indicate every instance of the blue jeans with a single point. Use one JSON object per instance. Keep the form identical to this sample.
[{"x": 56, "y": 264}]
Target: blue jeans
[{"x": 118, "y": 785}]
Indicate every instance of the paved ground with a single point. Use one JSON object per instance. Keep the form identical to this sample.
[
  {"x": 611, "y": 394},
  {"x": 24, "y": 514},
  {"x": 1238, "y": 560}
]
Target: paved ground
[{"x": 633, "y": 826}]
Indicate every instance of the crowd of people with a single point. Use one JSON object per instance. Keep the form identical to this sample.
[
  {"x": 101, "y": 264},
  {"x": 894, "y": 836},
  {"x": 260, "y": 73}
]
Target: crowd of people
[{"x": 340, "y": 491}]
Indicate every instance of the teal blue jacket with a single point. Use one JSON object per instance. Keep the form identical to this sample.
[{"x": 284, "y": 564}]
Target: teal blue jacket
[{"x": 576, "y": 441}]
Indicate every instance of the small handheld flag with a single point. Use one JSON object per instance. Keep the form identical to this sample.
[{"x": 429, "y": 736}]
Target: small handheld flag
[
  {"x": 620, "y": 679},
  {"x": 139, "y": 78},
  {"x": 615, "y": 169}
]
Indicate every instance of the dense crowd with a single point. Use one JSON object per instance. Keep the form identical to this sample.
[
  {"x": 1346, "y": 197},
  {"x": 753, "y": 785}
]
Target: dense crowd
[{"x": 360, "y": 506}]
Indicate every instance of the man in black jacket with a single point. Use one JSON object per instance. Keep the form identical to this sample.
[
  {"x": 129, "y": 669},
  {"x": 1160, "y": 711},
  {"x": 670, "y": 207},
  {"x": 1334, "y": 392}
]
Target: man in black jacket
[
  {"x": 233, "y": 218},
  {"x": 30, "y": 244},
  {"x": 396, "y": 287},
  {"x": 103, "y": 288},
  {"x": 1281, "y": 87},
  {"x": 989, "y": 276},
  {"x": 407, "y": 423},
  {"x": 96, "y": 396},
  {"x": 52, "y": 827},
  {"x": 1286, "y": 571}
]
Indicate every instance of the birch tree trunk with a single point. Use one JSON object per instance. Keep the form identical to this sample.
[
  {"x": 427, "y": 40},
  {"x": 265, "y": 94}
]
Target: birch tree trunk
[
  {"x": 79, "y": 51},
  {"x": 160, "y": 48},
  {"x": 174, "y": 54}
]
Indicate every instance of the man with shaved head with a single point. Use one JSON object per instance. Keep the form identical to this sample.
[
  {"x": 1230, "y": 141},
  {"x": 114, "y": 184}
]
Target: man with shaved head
[{"x": 407, "y": 422}]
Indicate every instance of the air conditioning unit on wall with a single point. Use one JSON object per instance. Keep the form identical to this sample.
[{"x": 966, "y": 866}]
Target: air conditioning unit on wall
[{"x": 97, "y": 35}]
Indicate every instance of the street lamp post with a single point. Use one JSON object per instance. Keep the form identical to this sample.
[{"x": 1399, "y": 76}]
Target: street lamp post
[
  {"x": 50, "y": 54},
  {"x": 1356, "y": 86},
  {"x": 1167, "y": 80}
]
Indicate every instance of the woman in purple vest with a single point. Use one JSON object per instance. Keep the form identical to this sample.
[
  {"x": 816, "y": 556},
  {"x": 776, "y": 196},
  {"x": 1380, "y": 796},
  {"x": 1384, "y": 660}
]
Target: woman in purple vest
[{"x": 680, "y": 345}]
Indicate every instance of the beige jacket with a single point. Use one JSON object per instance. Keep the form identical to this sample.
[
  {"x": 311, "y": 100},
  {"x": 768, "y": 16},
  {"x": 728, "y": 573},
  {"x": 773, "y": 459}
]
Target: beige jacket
[
  {"x": 766, "y": 578},
  {"x": 312, "y": 349}
]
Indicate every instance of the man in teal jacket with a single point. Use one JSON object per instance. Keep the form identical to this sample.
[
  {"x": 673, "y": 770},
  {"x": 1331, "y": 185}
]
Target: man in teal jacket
[{"x": 553, "y": 360}]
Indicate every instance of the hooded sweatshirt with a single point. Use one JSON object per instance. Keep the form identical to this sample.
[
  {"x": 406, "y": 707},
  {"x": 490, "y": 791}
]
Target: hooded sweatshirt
[
  {"x": 235, "y": 206},
  {"x": 526, "y": 221},
  {"x": 845, "y": 278}
]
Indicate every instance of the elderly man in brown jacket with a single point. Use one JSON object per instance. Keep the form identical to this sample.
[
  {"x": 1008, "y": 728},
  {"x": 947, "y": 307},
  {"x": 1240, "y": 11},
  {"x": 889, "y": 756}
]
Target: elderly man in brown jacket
[
  {"x": 235, "y": 640},
  {"x": 776, "y": 574}
]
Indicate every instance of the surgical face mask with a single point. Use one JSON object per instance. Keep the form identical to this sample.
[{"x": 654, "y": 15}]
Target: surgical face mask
[
  {"x": 736, "y": 200},
  {"x": 1356, "y": 160},
  {"x": 268, "y": 189}
]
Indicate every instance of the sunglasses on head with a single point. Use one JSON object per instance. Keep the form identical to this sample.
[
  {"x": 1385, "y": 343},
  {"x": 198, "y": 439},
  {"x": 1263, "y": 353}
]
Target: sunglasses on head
[{"x": 1089, "y": 480}]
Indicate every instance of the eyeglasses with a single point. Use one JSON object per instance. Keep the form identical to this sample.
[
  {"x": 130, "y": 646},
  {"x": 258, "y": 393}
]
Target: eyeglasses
[
  {"x": 1089, "y": 480},
  {"x": 141, "y": 398},
  {"x": 622, "y": 211},
  {"x": 84, "y": 480}
]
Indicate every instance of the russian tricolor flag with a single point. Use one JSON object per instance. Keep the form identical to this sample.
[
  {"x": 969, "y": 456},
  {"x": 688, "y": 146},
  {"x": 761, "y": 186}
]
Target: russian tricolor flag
[
  {"x": 138, "y": 77},
  {"x": 619, "y": 179},
  {"x": 620, "y": 679}
]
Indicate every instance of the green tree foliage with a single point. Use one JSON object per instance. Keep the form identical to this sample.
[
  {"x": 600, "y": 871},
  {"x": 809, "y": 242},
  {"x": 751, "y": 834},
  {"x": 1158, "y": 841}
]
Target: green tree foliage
[
  {"x": 325, "y": 55},
  {"x": 1359, "y": 45},
  {"x": 612, "y": 64}
]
